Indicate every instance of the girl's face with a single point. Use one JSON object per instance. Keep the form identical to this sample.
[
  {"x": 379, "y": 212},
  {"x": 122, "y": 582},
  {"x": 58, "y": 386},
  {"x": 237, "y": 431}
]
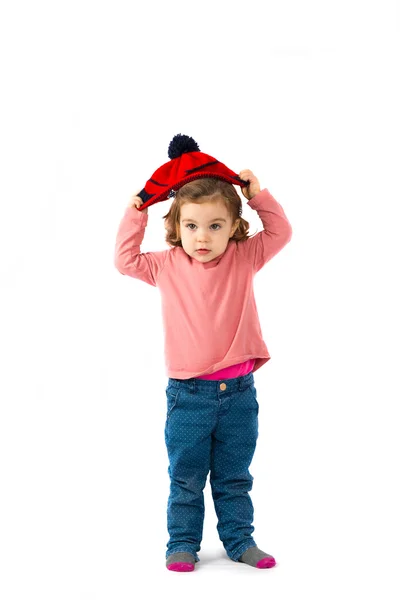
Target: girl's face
[{"x": 208, "y": 226}]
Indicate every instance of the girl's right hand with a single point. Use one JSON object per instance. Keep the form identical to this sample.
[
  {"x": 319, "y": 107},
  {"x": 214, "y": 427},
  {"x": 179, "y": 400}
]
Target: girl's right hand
[{"x": 137, "y": 201}]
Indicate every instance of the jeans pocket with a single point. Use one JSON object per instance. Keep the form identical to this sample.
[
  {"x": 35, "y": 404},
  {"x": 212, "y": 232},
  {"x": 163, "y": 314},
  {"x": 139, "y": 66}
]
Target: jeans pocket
[
  {"x": 254, "y": 394},
  {"x": 172, "y": 399}
]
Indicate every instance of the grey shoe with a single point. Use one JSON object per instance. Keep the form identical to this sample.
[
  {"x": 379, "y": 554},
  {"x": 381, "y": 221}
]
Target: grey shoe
[{"x": 180, "y": 561}]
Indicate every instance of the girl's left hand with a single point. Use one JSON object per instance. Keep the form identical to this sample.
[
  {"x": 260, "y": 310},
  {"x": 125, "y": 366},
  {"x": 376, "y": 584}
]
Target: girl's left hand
[
  {"x": 254, "y": 185},
  {"x": 137, "y": 201}
]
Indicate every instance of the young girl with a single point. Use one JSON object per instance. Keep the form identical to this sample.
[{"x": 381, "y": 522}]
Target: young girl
[{"x": 213, "y": 340}]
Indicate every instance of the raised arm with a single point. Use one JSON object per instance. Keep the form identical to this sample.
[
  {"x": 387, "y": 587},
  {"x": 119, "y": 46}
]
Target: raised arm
[{"x": 127, "y": 258}]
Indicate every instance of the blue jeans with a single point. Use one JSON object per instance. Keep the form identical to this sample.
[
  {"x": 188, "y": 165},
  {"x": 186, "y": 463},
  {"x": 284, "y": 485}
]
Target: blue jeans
[{"x": 211, "y": 426}]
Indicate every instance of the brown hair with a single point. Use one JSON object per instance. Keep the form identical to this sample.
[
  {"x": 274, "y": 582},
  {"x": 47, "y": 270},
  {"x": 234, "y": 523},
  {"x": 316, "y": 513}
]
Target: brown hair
[{"x": 205, "y": 189}]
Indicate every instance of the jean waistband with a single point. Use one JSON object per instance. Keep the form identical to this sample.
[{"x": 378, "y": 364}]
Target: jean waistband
[{"x": 209, "y": 385}]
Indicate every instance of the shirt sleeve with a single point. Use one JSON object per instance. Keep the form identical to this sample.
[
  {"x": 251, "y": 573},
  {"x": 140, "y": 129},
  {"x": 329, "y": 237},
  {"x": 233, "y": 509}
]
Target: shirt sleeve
[
  {"x": 277, "y": 232},
  {"x": 128, "y": 259}
]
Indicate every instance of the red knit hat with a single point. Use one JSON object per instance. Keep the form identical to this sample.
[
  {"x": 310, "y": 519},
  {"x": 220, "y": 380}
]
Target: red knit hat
[{"x": 187, "y": 163}]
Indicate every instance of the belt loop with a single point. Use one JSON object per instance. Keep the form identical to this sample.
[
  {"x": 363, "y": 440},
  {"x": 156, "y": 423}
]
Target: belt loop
[{"x": 244, "y": 381}]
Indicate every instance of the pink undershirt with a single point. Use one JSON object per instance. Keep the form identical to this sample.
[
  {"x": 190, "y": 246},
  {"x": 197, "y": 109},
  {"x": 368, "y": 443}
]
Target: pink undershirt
[{"x": 232, "y": 371}]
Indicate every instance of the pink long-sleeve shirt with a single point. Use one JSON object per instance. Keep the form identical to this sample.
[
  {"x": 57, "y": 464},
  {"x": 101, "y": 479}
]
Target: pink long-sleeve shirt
[{"x": 211, "y": 324}]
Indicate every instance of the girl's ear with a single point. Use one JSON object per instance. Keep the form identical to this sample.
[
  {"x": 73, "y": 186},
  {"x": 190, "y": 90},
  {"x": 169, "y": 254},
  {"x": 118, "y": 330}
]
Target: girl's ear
[{"x": 235, "y": 226}]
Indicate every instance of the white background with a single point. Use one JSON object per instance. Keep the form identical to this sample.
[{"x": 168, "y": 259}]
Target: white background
[{"x": 306, "y": 95}]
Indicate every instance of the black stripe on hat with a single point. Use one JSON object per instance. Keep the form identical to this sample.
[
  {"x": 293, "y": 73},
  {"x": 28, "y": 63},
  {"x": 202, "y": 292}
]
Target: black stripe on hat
[
  {"x": 213, "y": 162},
  {"x": 157, "y": 183}
]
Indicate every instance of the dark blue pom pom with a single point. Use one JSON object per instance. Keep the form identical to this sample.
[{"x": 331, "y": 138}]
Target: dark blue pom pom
[{"x": 181, "y": 144}]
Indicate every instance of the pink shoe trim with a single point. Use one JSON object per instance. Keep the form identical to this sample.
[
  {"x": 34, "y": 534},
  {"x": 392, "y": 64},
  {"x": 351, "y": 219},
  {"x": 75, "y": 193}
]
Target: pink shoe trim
[
  {"x": 266, "y": 562},
  {"x": 180, "y": 566}
]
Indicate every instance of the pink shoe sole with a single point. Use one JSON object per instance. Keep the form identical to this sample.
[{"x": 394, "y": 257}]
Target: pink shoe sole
[
  {"x": 266, "y": 563},
  {"x": 180, "y": 566}
]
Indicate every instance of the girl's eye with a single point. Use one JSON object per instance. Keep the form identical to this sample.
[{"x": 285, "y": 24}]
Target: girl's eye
[{"x": 189, "y": 224}]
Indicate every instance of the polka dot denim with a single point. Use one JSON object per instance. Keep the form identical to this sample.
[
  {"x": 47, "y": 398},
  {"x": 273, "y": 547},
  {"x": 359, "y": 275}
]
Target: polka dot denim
[{"x": 211, "y": 427}]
